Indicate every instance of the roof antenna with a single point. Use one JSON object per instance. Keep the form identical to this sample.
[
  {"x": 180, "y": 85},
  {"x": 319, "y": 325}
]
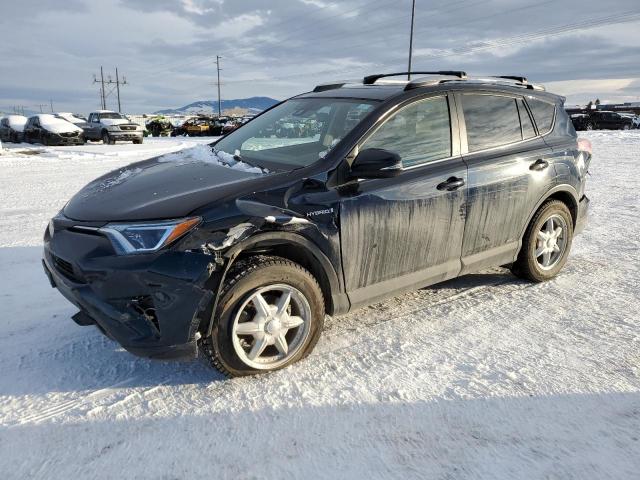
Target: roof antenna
[{"x": 413, "y": 15}]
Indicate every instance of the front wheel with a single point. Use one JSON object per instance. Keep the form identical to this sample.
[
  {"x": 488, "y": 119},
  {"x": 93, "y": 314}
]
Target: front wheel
[
  {"x": 106, "y": 139},
  {"x": 546, "y": 243},
  {"x": 270, "y": 314}
]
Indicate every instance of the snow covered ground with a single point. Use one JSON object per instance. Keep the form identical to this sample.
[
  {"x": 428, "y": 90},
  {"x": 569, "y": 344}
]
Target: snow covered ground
[{"x": 485, "y": 376}]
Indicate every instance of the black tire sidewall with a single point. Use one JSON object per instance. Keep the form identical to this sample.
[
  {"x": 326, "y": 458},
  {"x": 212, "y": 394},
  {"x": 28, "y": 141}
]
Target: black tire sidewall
[{"x": 281, "y": 273}]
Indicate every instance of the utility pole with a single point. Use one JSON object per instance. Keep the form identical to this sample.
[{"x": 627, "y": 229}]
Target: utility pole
[
  {"x": 413, "y": 16},
  {"x": 104, "y": 94},
  {"x": 51, "y": 103},
  {"x": 104, "y": 99},
  {"x": 219, "y": 100},
  {"x": 118, "y": 90}
]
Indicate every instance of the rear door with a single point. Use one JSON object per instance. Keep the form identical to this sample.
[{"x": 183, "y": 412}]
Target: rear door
[
  {"x": 509, "y": 167},
  {"x": 405, "y": 232}
]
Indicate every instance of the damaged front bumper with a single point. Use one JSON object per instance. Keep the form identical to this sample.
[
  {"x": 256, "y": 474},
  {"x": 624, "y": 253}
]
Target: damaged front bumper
[{"x": 152, "y": 305}]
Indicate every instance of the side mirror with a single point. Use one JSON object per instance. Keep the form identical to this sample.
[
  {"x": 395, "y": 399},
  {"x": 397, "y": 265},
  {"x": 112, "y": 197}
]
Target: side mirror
[{"x": 376, "y": 163}]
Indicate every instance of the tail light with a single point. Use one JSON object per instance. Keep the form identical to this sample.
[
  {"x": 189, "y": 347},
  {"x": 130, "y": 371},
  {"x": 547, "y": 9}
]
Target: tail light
[{"x": 584, "y": 145}]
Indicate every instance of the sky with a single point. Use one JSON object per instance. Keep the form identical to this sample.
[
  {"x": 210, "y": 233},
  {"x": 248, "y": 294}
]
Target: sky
[{"x": 166, "y": 49}]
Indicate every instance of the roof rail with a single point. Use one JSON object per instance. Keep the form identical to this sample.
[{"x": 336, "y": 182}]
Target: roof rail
[
  {"x": 508, "y": 81},
  {"x": 323, "y": 87},
  {"x": 522, "y": 80},
  {"x": 371, "y": 79}
]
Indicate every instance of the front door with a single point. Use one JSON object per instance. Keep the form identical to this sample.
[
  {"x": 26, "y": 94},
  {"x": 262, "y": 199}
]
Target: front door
[{"x": 405, "y": 232}]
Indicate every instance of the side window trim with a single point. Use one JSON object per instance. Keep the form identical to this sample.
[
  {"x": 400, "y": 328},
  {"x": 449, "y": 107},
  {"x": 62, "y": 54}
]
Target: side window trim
[
  {"x": 454, "y": 126},
  {"x": 521, "y": 101}
]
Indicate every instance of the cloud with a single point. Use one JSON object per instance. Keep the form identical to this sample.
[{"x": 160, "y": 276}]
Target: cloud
[{"x": 279, "y": 48}]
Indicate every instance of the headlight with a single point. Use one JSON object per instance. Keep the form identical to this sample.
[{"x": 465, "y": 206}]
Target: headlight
[
  {"x": 113, "y": 127},
  {"x": 147, "y": 237}
]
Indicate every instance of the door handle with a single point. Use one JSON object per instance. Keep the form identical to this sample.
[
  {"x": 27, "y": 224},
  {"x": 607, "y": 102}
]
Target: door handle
[
  {"x": 539, "y": 165},
  {"x": 451, "y": 184}
]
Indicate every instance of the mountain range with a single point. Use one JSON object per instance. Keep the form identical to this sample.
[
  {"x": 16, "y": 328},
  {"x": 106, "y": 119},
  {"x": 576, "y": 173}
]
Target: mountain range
[{"x": 253, "y": 105}]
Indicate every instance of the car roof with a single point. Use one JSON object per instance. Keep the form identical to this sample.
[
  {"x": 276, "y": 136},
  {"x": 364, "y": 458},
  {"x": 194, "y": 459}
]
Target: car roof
[
  {"x": 385, "y": 88},
  {"x": 388, "y": 91}
]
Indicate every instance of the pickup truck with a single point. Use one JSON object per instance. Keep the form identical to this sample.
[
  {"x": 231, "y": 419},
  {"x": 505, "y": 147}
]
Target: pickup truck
[{"x": 111, "y": 126}]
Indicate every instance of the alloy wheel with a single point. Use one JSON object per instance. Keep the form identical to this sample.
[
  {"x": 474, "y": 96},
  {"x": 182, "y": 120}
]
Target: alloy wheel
[
  {"x": 551, "y": 242},
  {"x": 271, "y": 326}
]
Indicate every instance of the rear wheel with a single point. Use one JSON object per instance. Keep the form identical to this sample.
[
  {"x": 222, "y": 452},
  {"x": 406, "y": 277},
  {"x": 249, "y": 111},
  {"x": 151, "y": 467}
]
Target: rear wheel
[
  {"x": 589, "y": 126},
  {"x": 546, "y": 243},
  {"x": 270, "y": 314}
]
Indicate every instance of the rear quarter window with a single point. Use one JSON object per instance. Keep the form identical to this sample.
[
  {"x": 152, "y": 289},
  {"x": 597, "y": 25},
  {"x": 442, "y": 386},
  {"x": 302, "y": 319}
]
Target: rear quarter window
[{"x": 543, "y": 114}]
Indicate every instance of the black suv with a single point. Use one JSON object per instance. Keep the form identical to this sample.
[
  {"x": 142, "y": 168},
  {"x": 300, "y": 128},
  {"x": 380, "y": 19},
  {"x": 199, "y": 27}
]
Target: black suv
[
  {"x": 602, "y": 120},
  {"x": 244, "y": 245}
]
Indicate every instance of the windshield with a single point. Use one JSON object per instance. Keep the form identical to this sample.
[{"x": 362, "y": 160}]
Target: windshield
[
  {"x": 113, "y": 115},
  {"x": 296, "y": 133}
]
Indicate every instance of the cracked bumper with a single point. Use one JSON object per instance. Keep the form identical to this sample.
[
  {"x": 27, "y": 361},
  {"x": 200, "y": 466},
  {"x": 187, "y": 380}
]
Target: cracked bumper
[
  {"x": 583, "y": 214},
  {"x": 151, "y": 304}
]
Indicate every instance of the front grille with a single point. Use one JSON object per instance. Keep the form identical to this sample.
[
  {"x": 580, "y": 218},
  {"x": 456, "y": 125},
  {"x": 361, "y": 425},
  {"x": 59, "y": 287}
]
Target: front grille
[
  {"x": 69, "y": 134},
  {"x": 65, "y": 268},
  {"x": 127, "y": 127}
]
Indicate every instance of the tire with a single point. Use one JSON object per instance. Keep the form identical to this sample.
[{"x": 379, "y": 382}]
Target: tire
[
  {"x": 589, "y": 127},
  {"x": 626, "y": 127},
  {"x": 106, "y": 139},
  {"x": 137, "y": 142},
  {"x": 530, "y": 266},
  {"x": 262, "y": 275}
]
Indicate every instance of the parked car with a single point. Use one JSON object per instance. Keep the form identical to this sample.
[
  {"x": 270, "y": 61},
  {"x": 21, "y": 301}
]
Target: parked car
[
  {"x": 244, "y": 251},
  {"x": 635, "y": 119},
  {"x": 603, "y": 120},
  {"x": 230, "y": 126},
  {"x": 73, "y": 118},
  {"x": 111, "y": 126},
  {"x": 197, "y": 127},
  {"x": 12, "y": 128},
  {"x": 48, "y": 129},
  {"x": 159, "y": 127}
]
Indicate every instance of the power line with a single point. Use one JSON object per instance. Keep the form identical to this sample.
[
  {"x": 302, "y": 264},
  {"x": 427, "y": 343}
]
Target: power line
[{"x": 505, "y": 42}]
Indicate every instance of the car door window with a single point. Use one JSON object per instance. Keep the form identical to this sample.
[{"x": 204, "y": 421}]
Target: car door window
[
  {"x": 419, "y": 133},
  {"x": 543, "y": 114},
  {"x": 491, "y": 121},
  {"x": 525, "y": 120}
]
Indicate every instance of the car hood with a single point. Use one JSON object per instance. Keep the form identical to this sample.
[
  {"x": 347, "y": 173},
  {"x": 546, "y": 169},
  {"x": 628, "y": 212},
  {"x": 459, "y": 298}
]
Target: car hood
[
  {"x": 61, "y": 127},
  {"x": 158, "y": 189},
  {"x": 115, "y": 121}
]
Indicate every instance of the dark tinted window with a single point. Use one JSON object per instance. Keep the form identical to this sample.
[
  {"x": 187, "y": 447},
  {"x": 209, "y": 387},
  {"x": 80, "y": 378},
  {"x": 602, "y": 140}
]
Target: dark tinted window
[
  {"x": 525, "y": 119},
  {"x": 491, "y": 121},
  {"x": 543, "y": 114},
  {"x": 418, "y": 133}
]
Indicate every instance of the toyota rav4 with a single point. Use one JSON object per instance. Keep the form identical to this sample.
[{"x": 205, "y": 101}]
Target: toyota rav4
[{"x": 243, "y": 246}]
